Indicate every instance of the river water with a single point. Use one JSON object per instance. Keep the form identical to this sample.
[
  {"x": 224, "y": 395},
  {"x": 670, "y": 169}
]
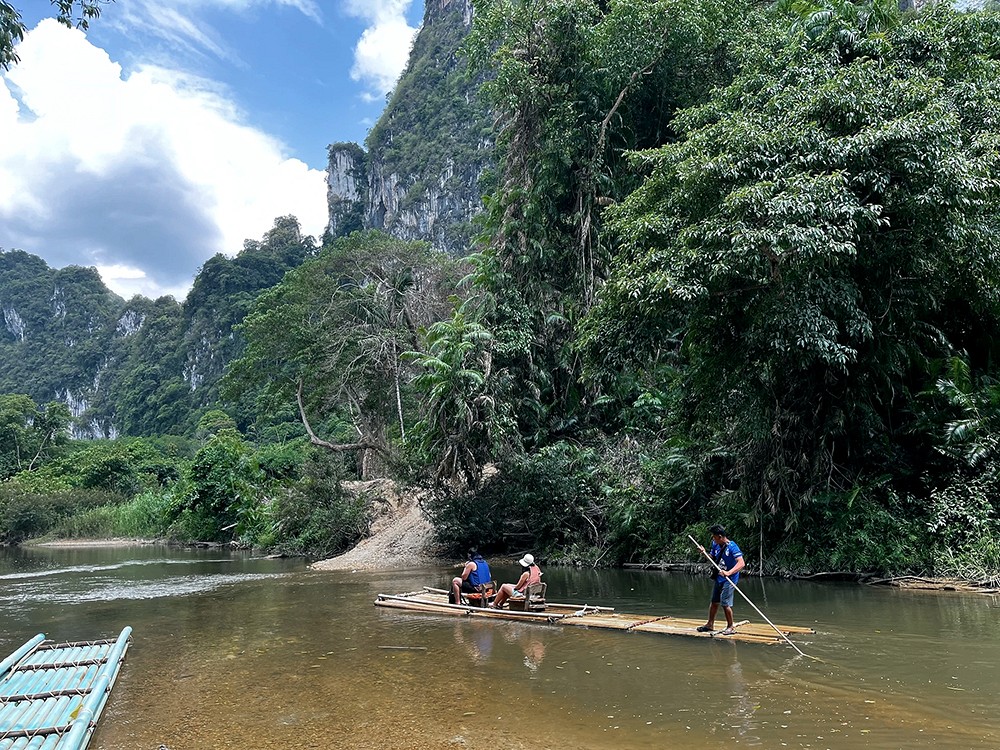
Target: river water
[{"x": 233, "y": 651}]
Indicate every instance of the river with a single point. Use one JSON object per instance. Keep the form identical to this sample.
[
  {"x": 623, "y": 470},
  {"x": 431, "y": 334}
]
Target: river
[{"x": 235, "y": 651}]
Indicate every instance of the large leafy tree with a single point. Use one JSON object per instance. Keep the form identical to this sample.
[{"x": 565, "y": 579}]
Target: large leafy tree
[
  {"x": 329, "y": 340},
  {"x": 573, "y": 83},
  {"x": 821, "y": 234},
  {"x": 29, "y": 435}
]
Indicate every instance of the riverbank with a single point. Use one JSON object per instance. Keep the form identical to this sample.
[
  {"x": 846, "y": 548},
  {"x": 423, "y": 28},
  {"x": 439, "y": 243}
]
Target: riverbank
[
  {"x": 403, "y": 540},
  {"x": 116, "y": 542},
  {"x": 401, "y": 536}
]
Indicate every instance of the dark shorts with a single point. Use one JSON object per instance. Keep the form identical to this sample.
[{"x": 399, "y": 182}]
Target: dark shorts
[
  {"x": 723, "y": 593},
  {"x": 467, "y": 587}
]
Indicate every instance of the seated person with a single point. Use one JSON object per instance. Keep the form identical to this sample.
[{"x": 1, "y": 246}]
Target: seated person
[
  {"x": 530, "y": 573},
  {"x": 475, "y": 572}
]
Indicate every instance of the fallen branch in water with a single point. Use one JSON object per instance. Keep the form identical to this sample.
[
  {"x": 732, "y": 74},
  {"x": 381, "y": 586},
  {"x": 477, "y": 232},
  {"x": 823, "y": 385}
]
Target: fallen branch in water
[{"x": 935, "y": 584}]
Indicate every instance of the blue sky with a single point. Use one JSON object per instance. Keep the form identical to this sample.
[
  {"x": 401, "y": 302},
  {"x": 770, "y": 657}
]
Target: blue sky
[{"x": 175, "y": 129}]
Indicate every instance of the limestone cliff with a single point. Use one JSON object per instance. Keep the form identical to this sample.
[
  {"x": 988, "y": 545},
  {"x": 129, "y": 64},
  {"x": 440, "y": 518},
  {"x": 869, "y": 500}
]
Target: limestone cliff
[
  {"x": 420, "y": 176},
  {"x": 136, "y": 367}
]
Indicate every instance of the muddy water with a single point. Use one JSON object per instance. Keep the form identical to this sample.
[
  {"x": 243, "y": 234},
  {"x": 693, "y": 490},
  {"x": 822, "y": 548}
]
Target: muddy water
[{"x": 231, "y": 651}]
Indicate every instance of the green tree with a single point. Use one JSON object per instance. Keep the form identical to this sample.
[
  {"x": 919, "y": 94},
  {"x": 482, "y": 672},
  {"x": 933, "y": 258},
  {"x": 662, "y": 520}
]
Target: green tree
[
  {"x": 574, "y": 83},
  {"x": 973, "y": 435},
  {"x": 29, "y": 435},
  {"x": 330, "y": 340},
  {"x": 214, "y": 421},
  {"x": 16, "y": 413},
  {"x": 124, "y": 467},
  {"x": 821, "y": 234},
  {"x": 226, "y": 485},
  {"x": 465, "y": 424}
]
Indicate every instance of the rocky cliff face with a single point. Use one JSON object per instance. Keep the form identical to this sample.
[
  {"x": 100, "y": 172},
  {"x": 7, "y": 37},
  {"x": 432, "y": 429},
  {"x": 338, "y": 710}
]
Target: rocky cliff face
[
  {"x": 435, "y": 10},
  {"x": 55, "y": 338},
  {"x": 141, "y": 367},
  {"x": 346, "y": 188},
  {"x": 420, "y": 176}
]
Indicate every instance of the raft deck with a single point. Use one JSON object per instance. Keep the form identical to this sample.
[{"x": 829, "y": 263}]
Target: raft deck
[
  {"x": 52, "y": 694},
  {"x": 435, "y": 601}
]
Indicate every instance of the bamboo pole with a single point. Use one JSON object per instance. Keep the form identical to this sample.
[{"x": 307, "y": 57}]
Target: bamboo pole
[
  {"x": 484, "y": 611},
  {"x": 432, "y": 590},
  {"x": 716, "y": 566},
  {"x": 88, "y": 711}
]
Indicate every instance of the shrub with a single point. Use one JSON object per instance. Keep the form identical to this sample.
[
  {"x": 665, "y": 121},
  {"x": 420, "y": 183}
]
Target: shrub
[
  {"x": 27, "y": 515},
  {"x": 549, "y": 500},
  {"x": 316, "y": 517},
  {"x": 964, "y": 526},
  {"x": 225, "y": 488},
  {"x": 869, "y": 530},
  {"x": 124, "y": 467}
]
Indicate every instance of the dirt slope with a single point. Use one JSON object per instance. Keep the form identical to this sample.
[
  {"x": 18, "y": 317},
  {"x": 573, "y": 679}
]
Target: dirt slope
[{"x": 401, "y": 536}]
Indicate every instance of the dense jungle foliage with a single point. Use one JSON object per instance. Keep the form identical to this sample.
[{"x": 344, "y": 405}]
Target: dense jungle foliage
[{"x": 740, "y": 266}]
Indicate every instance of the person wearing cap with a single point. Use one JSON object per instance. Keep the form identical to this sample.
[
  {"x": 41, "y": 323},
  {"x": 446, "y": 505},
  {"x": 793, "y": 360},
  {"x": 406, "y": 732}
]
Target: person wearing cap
[
  {"x": 729, "y": 558},
  {"x": 475, "y": 573},
  {"x": 530, "y": 573}
]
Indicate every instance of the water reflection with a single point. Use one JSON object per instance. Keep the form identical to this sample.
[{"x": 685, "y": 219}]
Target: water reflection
[
  {"x": 534, "y": 652},
  {"x": 476, "y": 639}
]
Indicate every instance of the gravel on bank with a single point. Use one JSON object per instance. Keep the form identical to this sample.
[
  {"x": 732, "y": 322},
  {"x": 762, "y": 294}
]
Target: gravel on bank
[{"x": 401, "y": 536}]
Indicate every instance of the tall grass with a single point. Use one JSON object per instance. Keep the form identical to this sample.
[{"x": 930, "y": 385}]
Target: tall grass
[
  {"x": 979, "y": 564},
  {"x": 147, "y": 515}
]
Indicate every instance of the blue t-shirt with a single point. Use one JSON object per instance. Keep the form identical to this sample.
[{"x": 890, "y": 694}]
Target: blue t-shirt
[{"x": 726, "y": 558}]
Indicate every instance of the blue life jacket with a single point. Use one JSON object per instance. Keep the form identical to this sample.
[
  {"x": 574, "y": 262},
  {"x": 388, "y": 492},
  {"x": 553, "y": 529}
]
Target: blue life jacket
[{"x": 482, "y": 572}]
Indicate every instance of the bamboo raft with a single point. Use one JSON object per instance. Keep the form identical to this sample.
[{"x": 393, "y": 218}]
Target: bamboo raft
[
  {"x": 435, "y": 601},
  {"x": 52, "y": 694}
]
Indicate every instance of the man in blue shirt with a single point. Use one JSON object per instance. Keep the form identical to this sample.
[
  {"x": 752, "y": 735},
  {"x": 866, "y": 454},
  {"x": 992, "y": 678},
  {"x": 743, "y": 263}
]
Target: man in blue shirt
[
  {"x": 729, "y": 558},
  {"x": 475, "y": 572}
]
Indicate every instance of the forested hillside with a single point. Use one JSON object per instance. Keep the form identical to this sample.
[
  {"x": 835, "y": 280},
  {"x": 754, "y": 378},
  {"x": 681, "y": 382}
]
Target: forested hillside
[
  {"x": 422, "y": 174},
  {"x": 739, "y": 265},
  {"x": 136, "y": 367},
  {"x": 58, "y": 329}
]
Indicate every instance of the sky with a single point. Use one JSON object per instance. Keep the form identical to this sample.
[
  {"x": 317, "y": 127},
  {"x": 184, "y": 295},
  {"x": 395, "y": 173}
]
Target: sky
[{"x": 172, "y": 130}]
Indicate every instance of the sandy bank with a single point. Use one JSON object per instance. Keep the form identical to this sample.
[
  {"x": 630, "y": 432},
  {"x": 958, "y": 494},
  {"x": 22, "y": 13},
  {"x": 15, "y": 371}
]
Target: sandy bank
[
  {"x": 401, "y": 536},
  {"x": 120, "y": 542}
]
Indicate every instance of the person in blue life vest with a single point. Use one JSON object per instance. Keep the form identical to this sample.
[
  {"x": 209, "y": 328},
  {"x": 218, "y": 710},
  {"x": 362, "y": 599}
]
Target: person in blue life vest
[
  {"x": 729, "y": 558},
  {"x": 475, "y": 572}
]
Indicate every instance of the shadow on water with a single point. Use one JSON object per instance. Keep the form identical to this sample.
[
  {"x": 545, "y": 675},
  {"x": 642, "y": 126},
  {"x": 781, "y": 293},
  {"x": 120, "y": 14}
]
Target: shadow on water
[{"x": 232, "y": 651}]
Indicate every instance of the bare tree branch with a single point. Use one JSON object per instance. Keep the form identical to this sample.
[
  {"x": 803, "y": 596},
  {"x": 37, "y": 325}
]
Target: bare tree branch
[{"x": 336, "y": 447}]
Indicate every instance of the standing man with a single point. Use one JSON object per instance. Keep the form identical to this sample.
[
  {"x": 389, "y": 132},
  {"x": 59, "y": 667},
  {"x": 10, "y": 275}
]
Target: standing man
[{"x": 729, "y": 558}]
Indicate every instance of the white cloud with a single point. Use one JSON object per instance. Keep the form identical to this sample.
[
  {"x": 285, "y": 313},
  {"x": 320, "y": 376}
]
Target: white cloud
[
  {"x": 179, "y": 22},
  {"x": 128, "y": 281},
  {"x": 144, "y": 175},
  {"x": 377, "y": 10},
  {"x": 384, "y": 47}
]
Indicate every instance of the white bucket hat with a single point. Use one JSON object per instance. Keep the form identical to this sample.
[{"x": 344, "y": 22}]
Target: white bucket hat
[{"x": 527, "y": 561}]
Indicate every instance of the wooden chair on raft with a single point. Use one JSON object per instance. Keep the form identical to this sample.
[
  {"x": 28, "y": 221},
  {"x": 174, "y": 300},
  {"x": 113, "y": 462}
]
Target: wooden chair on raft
[
  {"x": 482, "y": 596},
  {"x": 532, "y": 601}
]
